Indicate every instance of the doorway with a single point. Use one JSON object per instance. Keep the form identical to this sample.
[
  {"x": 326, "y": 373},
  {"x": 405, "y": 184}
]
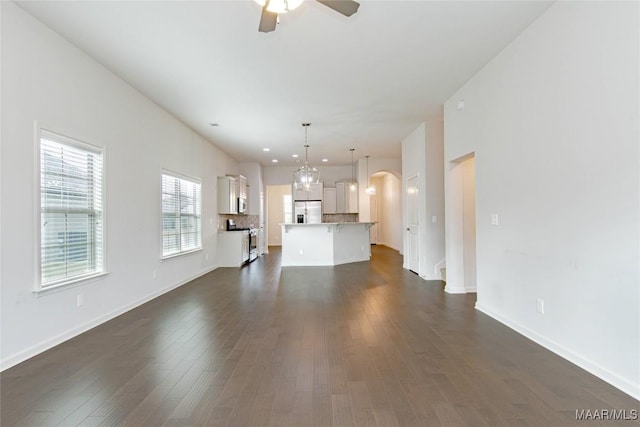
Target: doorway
[
  {"x": 461, "y": 226},
  {"x": 412, "y": 225},
  {"x": 277, "y": 197}
]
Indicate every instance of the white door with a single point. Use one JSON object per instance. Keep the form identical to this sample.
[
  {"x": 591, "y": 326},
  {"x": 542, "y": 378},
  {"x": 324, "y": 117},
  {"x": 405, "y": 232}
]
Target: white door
[
  {"x": 412, "y": 224},
  {"x": 261, "y": 240},
  {"x": 373, "y": 231}
]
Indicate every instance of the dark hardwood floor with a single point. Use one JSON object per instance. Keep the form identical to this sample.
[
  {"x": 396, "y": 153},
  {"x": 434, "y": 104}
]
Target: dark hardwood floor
[{"x": 366, "y": 344}]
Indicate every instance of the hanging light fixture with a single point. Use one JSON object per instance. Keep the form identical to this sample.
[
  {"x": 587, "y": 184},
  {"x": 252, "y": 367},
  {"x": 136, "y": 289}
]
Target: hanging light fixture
[
  {"x": 353, "y": 186},
  {"x": 370, "y": 190},
  {"x": 305, "y": 175}
]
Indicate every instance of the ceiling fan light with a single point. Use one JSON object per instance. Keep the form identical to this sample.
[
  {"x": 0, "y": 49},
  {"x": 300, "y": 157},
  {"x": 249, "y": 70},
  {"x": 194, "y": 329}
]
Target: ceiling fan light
[{"x": 281, "y": 6}]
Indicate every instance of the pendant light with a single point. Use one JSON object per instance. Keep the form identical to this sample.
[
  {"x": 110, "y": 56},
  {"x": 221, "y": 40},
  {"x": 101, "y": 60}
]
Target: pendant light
[
  {"x": 305, "y": 175},
  {"x": 353, "y": 186},
  {"x": 370, "y": 190}
]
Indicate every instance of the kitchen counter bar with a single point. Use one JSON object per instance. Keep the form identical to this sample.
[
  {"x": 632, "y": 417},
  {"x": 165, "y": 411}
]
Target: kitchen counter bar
[{"x": 324, "y": 244}]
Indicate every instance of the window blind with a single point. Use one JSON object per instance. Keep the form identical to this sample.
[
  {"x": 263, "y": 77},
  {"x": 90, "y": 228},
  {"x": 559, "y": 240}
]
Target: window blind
[
  {"x": 71, "y": 210},
  {"x": 181, "y": 223}
]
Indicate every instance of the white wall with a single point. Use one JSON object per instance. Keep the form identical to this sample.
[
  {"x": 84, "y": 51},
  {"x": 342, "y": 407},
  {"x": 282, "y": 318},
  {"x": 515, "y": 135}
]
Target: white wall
[
  {"x": 422, "y": 157},
  {"x": 44, "y": 78},
  {"x": 553, "y": 122},
  {"x": 434, "y": 199}
]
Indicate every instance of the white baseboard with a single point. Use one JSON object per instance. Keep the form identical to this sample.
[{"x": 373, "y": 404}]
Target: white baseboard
[
  {"x": 49, "y": 343},
  {"x": 451, "y": 290},
  {"x": 601, "y": 372}
]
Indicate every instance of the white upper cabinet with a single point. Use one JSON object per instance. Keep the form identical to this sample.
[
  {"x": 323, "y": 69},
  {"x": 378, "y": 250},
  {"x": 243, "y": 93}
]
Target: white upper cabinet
[
  {"x": 347, "y": 197},
  {"x": 242, "y": 187},
  {"x": 329, "y": 201},
  {"x": 313, "y": 193},
  {"x": 227, "y": 196}
]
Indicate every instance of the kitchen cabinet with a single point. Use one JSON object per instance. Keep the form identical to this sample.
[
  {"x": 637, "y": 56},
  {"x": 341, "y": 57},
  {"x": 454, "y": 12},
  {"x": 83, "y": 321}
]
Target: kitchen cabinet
[
  {"x": 243, "y": 190},
  {"x": 255, "y": 188},
  {"x": 347, "y": 197},
  {"x": 329, "y": 201},
  {"x": 233, "y": 248},
  {"x": 313, "y": 193},
  {"x": 227, "y": 195}
]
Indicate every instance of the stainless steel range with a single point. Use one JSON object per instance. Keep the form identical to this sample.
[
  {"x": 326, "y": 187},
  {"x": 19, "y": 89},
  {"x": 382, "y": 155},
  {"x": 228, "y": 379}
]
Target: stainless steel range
[{"x": 253, "y": 244}]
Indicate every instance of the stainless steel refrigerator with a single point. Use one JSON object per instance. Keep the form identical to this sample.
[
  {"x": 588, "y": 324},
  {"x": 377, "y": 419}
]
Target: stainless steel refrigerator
[{"x": 308, "y": 212}]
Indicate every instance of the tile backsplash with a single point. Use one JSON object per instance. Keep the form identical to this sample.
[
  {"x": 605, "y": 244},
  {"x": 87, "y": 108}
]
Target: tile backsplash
[
  {"x": 242, "y": 221},
  {"x": 340, "y": 217}
]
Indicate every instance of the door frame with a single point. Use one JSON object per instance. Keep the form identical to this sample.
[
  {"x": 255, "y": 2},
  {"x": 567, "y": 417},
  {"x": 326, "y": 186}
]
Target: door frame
[
  {"x": 455, "y": 239},
  {"x": 407, "y": 253}
]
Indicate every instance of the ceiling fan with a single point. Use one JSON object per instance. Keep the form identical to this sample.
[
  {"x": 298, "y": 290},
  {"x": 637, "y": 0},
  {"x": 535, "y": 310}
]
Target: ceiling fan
[{"x": 271, "y": 9}]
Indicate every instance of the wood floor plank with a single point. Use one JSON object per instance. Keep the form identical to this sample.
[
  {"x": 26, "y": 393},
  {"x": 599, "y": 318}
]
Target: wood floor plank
[{"x": 363, "y": 344}]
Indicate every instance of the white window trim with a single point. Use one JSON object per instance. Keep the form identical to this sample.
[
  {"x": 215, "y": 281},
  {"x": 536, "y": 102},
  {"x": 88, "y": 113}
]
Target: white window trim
[
  {"x": 195, "y": 180},
  {"x": 38, "y": 289}
]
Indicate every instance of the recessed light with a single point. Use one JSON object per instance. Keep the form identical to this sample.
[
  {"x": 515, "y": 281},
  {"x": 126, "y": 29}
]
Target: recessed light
[
  {"x": 295, "y": 156},
  {"x": 214, "y": 124},
  {"x": 275, "y": 160},
  {"x": 325, "y": 160},
  {"x": 266, "y": 149}
]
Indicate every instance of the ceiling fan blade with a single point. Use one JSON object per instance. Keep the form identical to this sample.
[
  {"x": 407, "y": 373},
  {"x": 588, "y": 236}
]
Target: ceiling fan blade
[
  {"x": 345, "y": 7},
  {"x": 268, "y": 20}
]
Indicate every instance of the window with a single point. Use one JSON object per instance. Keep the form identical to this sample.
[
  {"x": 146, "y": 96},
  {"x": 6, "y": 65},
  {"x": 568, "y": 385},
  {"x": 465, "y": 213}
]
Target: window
[
  {"x": 71, "y": 210},
  {"x": 180, "y": 215}
]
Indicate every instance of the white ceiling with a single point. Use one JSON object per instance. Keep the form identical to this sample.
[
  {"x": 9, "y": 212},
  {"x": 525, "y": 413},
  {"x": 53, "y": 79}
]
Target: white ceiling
[{"x": 366, "y": 81}]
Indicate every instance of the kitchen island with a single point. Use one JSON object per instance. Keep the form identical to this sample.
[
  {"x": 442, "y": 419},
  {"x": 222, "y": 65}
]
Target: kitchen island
[{"x": 325, "y": 243}]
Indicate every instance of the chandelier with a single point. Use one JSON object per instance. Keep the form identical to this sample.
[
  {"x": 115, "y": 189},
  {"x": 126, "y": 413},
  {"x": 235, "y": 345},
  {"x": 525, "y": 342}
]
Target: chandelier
[
  {"x": 305, "y": 175},
  {"x": 370, "y": 190}
]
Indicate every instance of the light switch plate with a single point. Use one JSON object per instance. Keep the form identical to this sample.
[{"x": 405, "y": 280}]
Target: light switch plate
[{"x": 494, "y": 219}]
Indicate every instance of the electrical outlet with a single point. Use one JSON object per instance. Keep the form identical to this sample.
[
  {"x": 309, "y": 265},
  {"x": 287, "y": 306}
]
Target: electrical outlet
[
  {"x": 206, "y": 257},
  {"x": 540, "y": 306},
  {"x": 155, "y": 274},
  {"x": 301, "y": 252},
  {"x": 495, "y": 220},
  {"x": 80, "y": 300}
]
